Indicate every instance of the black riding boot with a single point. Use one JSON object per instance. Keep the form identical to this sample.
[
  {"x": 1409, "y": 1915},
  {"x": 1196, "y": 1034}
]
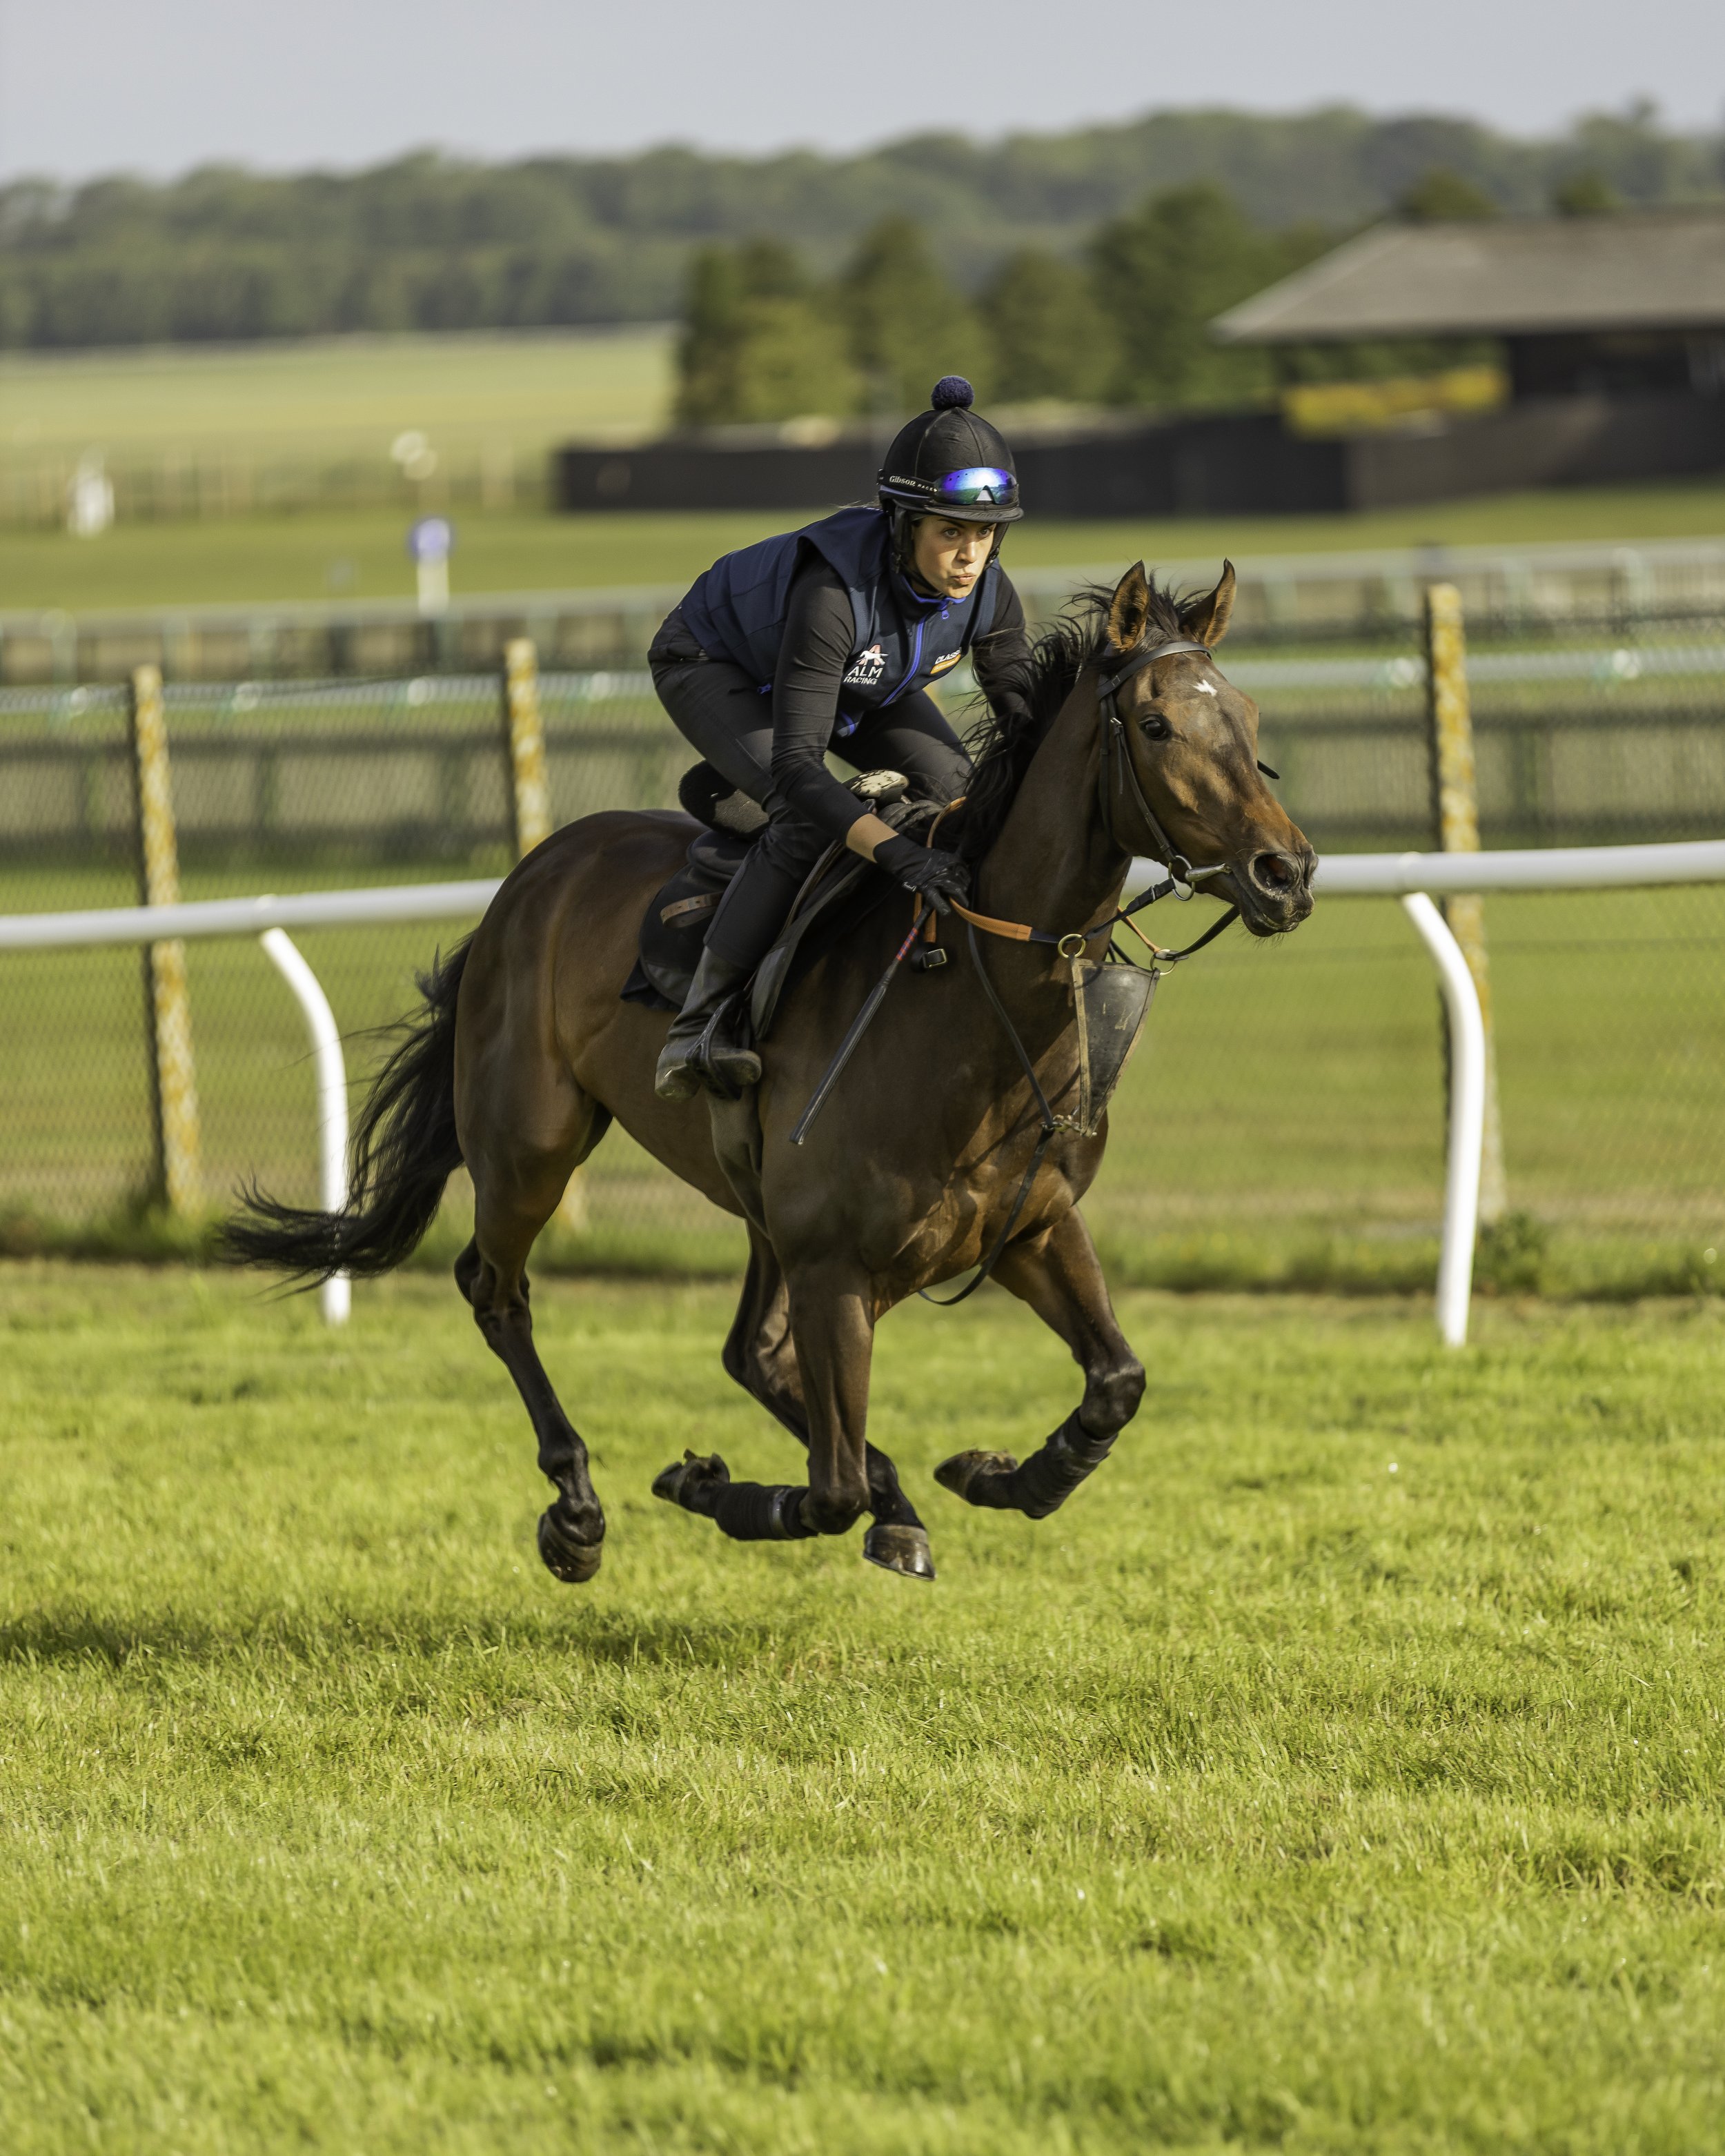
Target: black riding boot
[{"x": 705, "y": 1045}]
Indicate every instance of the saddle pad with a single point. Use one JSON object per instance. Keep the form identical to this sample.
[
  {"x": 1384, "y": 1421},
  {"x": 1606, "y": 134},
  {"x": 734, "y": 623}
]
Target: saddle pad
[{"x": 676, "y": 922}]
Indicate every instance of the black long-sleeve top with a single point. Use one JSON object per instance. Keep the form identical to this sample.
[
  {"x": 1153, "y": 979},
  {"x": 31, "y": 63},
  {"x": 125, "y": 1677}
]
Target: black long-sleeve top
[{"x": 818, "y": 631}]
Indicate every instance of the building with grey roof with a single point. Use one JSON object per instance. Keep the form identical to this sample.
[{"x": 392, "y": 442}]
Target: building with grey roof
[{"x": 1621, "y": 304}]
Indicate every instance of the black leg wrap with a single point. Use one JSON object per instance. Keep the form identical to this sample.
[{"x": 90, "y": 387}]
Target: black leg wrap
[
  {"x": 1043, "y": 1484},
  {"x": 761, "y": 1513}
]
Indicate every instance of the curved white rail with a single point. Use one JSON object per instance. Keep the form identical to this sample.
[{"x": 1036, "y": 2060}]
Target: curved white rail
[
  {"x": 246, "y": 916},
  {"x": 336, "y": 1296},
  {"x": 1467, "y": 1116},
  {"x": 1340, "y": 876},
  {"x": 1534, "y": 868}
]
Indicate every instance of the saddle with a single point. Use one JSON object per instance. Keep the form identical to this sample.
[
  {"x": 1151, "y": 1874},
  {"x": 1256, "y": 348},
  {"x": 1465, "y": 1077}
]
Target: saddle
[{"x": 840, "y": 889}]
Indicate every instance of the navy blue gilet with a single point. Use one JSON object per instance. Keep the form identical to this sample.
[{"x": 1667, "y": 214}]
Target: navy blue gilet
[{"x": 901, "y": 641}]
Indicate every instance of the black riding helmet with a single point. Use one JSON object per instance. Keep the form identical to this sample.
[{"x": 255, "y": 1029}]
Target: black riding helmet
[{"x": 949, "y": 461}]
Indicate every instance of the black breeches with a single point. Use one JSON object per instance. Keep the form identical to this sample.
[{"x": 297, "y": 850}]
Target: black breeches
[{"x": 722, "y": 713}]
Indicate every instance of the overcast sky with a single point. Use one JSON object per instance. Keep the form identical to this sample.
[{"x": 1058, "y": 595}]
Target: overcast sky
[{"x": 160, "y": 85}]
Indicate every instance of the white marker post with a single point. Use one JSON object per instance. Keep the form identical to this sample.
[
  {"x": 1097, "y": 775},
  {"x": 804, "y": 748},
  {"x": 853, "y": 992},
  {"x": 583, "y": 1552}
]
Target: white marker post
[{"x": 430, "y": 542}]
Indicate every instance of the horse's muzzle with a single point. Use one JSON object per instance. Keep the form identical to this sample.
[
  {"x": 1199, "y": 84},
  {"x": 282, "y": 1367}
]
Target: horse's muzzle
[{"x": 1273, "y": 890}]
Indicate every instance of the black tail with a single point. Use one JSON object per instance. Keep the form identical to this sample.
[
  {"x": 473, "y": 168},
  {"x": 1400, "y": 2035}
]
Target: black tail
[{"x": 404, "y": 1151}]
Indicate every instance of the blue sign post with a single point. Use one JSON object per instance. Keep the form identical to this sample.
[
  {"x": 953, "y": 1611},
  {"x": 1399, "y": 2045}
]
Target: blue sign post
[{"x": 430, "y": 542}]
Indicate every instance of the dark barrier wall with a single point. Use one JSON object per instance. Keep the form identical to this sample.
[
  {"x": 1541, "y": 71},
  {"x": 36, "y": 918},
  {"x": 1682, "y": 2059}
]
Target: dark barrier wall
[
  {"x": 1548, "y": 441},
  {"x": 1242, "y": 464}
]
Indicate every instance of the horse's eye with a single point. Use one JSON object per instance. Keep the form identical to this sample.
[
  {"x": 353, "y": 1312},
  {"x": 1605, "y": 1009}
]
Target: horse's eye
[{"x": 1156, "y": 727}]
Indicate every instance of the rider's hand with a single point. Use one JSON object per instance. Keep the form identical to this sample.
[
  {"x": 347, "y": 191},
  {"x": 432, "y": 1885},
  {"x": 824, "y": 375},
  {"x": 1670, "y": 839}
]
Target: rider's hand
[{"x": 939, "y": 876}]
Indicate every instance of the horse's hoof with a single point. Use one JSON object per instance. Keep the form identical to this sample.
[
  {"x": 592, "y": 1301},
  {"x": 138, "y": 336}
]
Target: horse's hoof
[
  {"x": 565, "y": 1558},
  {"x": 968, "y": 1475},
  {"x": 687, "y": 1481},
  {"x": 900, "y": 1549}
]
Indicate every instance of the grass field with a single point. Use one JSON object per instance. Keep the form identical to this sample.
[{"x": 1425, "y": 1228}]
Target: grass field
[
  {"x": 361, "y": 554},
  {"x": 329, "y": 399},
  {"x": 1340, "y": 1771},
  {"x": 325, "y": 397}
]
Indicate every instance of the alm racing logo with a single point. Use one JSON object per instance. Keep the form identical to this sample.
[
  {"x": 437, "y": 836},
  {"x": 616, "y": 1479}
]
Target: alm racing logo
[{"x": 867, "y": 671}]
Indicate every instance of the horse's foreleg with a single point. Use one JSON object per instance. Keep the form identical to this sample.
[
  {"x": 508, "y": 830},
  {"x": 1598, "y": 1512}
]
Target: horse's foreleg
[
  {"x": 830, "y": 1346},
  {"x": 1059, "y": 1276},
  {"x": 760, "y": 1357},
  {"x": 517, "y": 1183}
]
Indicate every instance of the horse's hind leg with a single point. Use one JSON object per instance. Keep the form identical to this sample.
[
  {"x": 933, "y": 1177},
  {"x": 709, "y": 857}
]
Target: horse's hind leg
[
  {"x": 760, "y": 1356},
  {"x": 520, "y": 1172},
  {"x": 1057, "y": 1275}
]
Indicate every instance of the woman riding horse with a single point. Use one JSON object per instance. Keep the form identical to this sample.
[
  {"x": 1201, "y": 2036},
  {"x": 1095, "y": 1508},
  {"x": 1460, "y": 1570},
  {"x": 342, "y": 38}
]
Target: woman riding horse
[{"x": 843, "y": 625}]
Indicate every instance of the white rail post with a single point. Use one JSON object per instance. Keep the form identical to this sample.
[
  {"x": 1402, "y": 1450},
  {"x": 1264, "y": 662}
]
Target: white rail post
[
  {"x": 335, "y": 1296},
  {"x": 1467, "y": 1116}
]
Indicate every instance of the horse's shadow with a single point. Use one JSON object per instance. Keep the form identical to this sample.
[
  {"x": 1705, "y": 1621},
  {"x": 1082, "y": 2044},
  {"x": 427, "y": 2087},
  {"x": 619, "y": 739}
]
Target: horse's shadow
[{"x": 65, "y": 1637}]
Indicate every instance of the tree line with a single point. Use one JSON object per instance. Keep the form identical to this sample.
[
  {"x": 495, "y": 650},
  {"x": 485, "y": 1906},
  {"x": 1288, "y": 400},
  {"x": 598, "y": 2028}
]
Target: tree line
[
  {"x": 432, "y": 242},
  {"x": 1124, "y": 319}
]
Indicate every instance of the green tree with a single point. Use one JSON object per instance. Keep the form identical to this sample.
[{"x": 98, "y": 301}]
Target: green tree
[
  {"x": 1585, "y": 193},
  {"x": 1440, "y": 197},
  {"x": 1049, "y": 336},
  {"x": 759, "y": 343},
  {"x": 907, "y": 325},
  {"x": 1161, "y": 274}
]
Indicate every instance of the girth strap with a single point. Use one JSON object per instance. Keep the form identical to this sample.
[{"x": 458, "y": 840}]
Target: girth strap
[{"x": 1051, "y": 1124}]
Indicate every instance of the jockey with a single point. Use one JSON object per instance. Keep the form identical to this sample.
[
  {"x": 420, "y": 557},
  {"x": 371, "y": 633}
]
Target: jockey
[{"x": 827, "y": 639}]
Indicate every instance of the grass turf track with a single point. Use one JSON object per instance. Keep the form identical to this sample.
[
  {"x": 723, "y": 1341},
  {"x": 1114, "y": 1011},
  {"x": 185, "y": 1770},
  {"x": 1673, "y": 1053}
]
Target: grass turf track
[{"x": 1340, "y": 1771}]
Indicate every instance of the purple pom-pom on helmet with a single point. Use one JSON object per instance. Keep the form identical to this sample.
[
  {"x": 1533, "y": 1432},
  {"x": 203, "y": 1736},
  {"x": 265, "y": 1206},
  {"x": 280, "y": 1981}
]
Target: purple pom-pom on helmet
[{"x": 953, "y": 392}]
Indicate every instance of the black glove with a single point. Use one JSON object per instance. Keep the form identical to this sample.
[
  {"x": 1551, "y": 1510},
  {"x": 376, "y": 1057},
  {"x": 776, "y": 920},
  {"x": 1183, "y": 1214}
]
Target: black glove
[{"x": 938, "y": 876}]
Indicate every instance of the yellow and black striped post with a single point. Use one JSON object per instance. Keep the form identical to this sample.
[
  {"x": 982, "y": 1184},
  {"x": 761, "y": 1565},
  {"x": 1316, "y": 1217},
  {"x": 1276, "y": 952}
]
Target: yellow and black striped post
[
  {"x": 167, "y": 1010},
  {"x": 529, "y": 783},
  {"x": 529, "y": 808}
]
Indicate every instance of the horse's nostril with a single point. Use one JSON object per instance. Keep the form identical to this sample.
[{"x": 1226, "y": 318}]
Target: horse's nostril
[{"x": 1276, "y": 873}]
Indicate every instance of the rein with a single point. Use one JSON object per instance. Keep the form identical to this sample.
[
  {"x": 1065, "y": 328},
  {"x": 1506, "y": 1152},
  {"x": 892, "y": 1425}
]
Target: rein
[{"x": 1178, "y": 883}]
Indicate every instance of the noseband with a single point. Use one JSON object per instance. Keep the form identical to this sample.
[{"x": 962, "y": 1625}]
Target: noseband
[{"x": 1116, "y": 753}]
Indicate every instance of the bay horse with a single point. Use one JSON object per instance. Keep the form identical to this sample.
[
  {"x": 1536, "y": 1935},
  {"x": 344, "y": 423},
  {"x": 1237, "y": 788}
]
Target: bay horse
[{"x": 523, "y": 1052}]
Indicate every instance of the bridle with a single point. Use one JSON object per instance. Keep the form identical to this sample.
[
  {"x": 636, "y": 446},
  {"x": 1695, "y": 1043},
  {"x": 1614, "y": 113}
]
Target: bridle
[{"x": 1116, "y": 753}]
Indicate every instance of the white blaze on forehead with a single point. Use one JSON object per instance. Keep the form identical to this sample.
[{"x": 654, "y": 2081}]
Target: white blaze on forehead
[{"x": 1203, "y": 688}]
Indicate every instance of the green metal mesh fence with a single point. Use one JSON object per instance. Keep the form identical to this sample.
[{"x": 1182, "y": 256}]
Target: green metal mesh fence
[{"x": 1283, "y": 1118}]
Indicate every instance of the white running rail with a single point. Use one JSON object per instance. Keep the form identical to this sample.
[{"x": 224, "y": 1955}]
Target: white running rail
[
  {"x": 1467, "y": 1118},
  {"x": 1406, "y": 876},
  {"x": 336, "y": 1294}
]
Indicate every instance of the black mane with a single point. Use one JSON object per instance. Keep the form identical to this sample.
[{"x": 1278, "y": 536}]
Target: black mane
[{"x": 1025, "y": 699}]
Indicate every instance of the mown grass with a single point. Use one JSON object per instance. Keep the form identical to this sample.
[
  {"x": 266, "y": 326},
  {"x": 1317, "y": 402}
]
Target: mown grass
[
  {"x": 361, "y": 554},
  {"x": 1340, "y": 1771},
  {"x": 321, "y": 398}
]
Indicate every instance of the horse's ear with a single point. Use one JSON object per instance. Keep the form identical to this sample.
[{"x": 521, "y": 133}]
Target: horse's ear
[
  {"x": 1207, "y": 618},
  {"x": 1129, "y": 610}
]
